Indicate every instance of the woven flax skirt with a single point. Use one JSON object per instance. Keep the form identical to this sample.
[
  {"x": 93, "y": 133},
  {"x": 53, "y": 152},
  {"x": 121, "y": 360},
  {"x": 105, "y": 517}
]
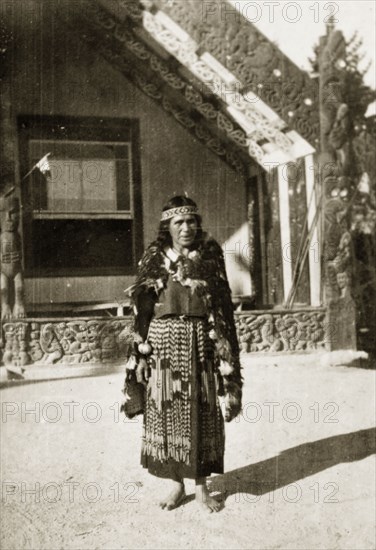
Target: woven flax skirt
[{"x": 183, "y": 431}]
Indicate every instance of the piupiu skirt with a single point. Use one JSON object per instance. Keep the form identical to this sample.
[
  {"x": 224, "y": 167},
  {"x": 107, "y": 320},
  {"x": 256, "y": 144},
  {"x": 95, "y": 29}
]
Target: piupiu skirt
[{"x": 183, "y": 429}]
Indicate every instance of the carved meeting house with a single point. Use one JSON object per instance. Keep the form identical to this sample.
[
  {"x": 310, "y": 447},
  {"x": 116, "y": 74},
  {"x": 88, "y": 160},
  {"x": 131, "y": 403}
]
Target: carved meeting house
[{"x": 112, "y": 106}]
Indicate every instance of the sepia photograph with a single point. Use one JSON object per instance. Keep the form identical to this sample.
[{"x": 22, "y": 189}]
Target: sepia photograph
[{"x": 188, "y": 274}]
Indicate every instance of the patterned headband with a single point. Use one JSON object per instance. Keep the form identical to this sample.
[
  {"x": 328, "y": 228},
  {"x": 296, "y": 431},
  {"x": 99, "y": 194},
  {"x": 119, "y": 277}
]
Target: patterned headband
[{"x": 179, "y": 211}]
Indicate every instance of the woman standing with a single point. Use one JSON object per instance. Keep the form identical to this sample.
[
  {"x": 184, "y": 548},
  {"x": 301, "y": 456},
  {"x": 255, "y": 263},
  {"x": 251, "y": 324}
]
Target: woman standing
[{"x": 186, "y": 352}]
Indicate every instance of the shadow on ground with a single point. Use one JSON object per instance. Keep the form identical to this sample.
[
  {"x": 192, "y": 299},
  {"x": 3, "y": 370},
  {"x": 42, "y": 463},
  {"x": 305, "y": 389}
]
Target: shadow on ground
[
  {"x": 296, "y": 463},
  {"x": 17, "y": 380}
]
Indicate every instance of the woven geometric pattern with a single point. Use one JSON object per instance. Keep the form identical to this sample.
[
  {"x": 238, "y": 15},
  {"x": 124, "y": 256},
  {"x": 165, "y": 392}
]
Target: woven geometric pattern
[{"x": 182, "y": 410}]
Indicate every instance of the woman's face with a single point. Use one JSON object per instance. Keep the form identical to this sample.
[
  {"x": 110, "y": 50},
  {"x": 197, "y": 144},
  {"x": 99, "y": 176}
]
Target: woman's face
[{"x": 183, "y": 230}]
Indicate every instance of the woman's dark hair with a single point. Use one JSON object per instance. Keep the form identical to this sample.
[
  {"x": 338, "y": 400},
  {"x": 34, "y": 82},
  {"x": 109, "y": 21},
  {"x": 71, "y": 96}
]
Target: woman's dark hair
[{"x": 164, "y": 237}]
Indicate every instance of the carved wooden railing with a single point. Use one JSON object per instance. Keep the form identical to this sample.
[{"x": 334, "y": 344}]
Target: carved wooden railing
[
  {"x": 100, "y": 340},
  {"x": 285, "y": 330},
  {"x": 70, "y": 341}
]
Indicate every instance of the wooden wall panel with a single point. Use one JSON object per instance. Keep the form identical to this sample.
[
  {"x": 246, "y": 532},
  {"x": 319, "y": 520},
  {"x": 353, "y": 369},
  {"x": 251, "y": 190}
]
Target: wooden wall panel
[
  {"x": 295, "y": 174},
  {"x": 274, "y": 272}
]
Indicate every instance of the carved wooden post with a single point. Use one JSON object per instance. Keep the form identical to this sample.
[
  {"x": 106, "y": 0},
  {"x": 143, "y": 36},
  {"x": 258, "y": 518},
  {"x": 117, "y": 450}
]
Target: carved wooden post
[
  {"x": 11, "y": 275},
  {"x": 337, "y": 188}
]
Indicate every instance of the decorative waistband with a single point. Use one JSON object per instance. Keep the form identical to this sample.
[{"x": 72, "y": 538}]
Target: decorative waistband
[{"x": 182, "y": 317}]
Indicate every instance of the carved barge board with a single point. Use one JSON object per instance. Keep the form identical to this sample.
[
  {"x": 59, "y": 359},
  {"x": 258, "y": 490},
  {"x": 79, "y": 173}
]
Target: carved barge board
[
  {"x": 119, "y": 44},
  {"x": 259, "y": 65}
]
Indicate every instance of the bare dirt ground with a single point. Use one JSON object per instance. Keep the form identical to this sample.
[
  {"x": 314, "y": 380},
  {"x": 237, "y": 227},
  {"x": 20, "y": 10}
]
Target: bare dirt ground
[{"x": 300, "y": 467}]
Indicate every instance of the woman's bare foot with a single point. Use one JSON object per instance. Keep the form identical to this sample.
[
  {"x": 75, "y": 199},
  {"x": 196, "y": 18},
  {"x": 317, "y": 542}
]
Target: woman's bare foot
[
  {"x": 208, "y": 503},
  {"x": 175, "y": 498}
]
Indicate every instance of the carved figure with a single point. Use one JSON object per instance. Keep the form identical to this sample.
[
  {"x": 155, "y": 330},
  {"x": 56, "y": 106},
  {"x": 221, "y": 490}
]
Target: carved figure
[
  {"x": 338, "y": 248},
  {"x": 339, "y": 137},
  {"x": 337, "y": 164},
  {"x": 16, "y": 336},
  {"x": 11, "y": 261},
  {"x": 51, "y": 347}
]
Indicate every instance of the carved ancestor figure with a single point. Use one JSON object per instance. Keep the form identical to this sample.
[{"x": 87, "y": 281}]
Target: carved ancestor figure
[
  {"x": 338, "y": 248},
  {"x": 336, "y": 165},
  {"x": 11, "y": 260},
  {"x": 339, "y": 138}
]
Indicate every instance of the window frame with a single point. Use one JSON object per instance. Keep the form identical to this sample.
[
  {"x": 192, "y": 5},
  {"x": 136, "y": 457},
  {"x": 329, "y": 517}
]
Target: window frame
[{"x": 86, "y": 129}]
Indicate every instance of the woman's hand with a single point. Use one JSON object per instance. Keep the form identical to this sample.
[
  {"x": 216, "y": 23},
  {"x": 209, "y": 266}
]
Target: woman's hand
[
  {"x": 233, "y": 401},
  {"x": 142, "y": 371}
]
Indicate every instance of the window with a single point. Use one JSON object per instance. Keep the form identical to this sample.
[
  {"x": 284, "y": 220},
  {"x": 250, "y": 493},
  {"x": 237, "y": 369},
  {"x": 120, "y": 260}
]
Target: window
[{"x": 83, "y": 215}]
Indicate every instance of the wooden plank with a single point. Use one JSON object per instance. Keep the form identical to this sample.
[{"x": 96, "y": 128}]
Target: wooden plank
[
  {"x": 47, "y": 215},
  {"x": 295, "y": 175}
]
